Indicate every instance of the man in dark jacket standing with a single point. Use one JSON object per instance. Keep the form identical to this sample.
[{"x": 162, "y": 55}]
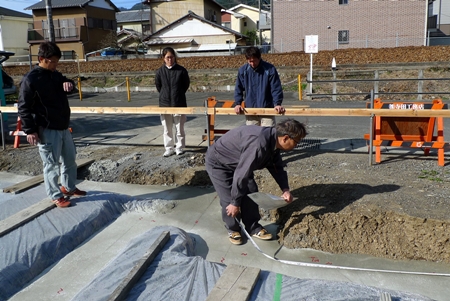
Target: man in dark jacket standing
[
  {"x": 261, "y": 84},
  {"x": 45, "y": 114},
  {"x": 231, "y": 161}
]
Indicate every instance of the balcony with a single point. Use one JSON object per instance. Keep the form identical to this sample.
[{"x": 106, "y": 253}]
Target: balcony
[
  {"x": 432, "y": 22},
  {"x": 62, "y": 34}
]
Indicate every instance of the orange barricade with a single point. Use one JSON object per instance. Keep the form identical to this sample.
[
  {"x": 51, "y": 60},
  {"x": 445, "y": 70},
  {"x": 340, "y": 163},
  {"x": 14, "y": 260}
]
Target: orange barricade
[
  {"x": 413, "y": 132},
  {"x": 17, "y": 133},
  {"x": 211, "y": 102}
]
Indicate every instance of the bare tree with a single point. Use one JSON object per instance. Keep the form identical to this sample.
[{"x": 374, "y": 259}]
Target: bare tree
[{"x": 110, "y": 40}]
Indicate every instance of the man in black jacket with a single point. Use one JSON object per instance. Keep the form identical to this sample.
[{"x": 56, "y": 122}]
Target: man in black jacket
[
  {"x": 45, "y": 114},
  {"x": 231, "y": 161}
]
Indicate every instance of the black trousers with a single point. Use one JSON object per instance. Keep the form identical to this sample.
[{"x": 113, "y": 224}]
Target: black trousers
[{"x": 222, "y": 179}]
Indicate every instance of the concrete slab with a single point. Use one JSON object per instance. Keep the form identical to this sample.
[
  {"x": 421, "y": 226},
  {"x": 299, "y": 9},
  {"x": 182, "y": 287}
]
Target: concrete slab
[{"x": 197, "y": 211}]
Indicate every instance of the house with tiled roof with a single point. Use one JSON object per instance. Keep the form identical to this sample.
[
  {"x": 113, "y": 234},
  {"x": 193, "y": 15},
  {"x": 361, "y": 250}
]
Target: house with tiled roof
[
  {"x": 130, "y": 41},
  {"x": 135, "y": 20},
  {"x": 245, "y": 18},
  {"x": 80, "y": 26},
  {"x": 165, "y": 12},
  {"x": 13, "y": 32},
  {"x": 194, "y": 34}
]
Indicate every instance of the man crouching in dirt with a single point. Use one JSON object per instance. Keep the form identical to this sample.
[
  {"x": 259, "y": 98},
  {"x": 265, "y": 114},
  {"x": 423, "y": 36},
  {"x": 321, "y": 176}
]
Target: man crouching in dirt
[
  {"x": 231, "y": 161},
  {"x": 45, "y": 114}
]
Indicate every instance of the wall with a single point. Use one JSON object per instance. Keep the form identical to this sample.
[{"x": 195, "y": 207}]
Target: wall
[
  {"x": 371, "y": 23},
  {"x": 252, "y": 16},
  {"x": 13, "y": 34},
  {"x": 164, "y": 13}
]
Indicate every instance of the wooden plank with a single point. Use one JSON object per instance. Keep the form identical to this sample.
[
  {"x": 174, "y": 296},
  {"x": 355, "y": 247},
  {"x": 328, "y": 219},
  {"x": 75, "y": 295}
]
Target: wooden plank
[
  {"x": 140, "y": 110},
  {"x": 235, "y": 284},
  {"x": 22, "y": 217},
  {"x": 27, "y": 184},
  {"x": 338, "y": 112},
  {"x": 252, "y": 111},
  {"x": 138, "y": 270},
  {"x": 24, "y": 185}
]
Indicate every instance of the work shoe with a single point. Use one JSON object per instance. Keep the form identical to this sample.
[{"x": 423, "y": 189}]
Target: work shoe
[
  {"x": 263, "y": 234},
  {"x": 75, "y": 192},
  {"x": 235, "y": 238},
  {"x": 62, "y": 202},
  {"x": 179, "y": 151},
  {"x": 168, "y": 153}
]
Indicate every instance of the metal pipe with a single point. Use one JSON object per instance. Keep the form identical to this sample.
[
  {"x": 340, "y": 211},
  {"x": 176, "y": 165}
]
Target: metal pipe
[
  {"x": 3, "y": 132},
  {"x": 371, "y": 129},
  {"x": 208, "y": 132}
]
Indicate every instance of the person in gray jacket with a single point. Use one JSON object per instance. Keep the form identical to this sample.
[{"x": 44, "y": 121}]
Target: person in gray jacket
[
  {"x": 172, "y": 82},
  {"x": 231, "y": 161},
  {"x": 259, "y": 85}
]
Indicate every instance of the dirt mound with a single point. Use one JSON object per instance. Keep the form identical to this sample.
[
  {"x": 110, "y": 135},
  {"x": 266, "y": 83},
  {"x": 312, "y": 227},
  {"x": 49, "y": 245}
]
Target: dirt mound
[
  {"x": 356, "y": 56},
  {"x": 372, "y": 231}
]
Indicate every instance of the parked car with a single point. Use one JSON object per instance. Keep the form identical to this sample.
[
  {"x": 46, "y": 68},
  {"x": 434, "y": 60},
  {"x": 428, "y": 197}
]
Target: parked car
[
  {"x": 8, "y": 83},
  {"x": 111, "y": 51}
]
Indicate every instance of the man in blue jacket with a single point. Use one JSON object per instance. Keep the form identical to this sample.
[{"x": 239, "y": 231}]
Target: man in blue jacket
[
  {"x": 261, "y": 84},
  {"x": 231, "y": 161},
  {"x": 45, "y": 113}
]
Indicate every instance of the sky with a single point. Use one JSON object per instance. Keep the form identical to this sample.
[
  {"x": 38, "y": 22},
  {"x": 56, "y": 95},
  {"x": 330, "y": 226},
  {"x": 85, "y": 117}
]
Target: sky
[{"x": 20, "y": 5}]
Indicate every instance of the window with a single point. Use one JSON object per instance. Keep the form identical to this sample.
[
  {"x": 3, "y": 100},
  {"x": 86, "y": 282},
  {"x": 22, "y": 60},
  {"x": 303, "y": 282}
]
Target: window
[
  {"x": 343, "y": 2},
  {"x": 146, "y": 28},
  {"x": 343, "y": 37},
  {"x": 67, "y": 55},
  {"x": 226, "y": 24}
]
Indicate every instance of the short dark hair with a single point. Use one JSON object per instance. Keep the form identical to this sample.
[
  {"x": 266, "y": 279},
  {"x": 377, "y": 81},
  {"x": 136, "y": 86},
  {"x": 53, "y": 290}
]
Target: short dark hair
[
  {"x": 49, "y": 49},
  {"x": 292, "y": 128},
  {"x": 252, "y": 52}
]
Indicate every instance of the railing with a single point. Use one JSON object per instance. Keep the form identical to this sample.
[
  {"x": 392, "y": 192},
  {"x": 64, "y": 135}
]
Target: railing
[
  {"x": 376, "y": 86},
  {"x": 61, "y": 34}
]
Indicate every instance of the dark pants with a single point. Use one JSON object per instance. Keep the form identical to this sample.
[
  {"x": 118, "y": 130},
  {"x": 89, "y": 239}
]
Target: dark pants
[{"x": 222, "y": 179}]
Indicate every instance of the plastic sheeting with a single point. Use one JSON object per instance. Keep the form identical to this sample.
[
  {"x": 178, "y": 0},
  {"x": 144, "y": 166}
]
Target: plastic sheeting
[
  {"x": 176, "y": 274},
  {"x": 30, "y": 249}
]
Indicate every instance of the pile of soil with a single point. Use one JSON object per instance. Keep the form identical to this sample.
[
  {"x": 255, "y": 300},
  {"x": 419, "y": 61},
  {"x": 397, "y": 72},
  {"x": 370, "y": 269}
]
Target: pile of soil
[
  {"x": 353, "y": 56},
  {"x": 397, "y": 209}
]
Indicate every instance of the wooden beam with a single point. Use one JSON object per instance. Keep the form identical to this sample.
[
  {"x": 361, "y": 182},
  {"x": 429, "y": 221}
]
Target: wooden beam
[
  {"x": 22, "y": 217},
  {"x": 27, "y": 184},
  {"x": 235, "y": 284},
  {"x": 339, "y": 112},
  {"x": 152, "y": 110},
  {"x": 120, "y": 293}
]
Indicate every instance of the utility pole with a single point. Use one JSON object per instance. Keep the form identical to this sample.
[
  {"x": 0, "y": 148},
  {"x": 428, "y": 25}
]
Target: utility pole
[
  {"x": 51, "y": 29},
  {"x": 259, "y": 23}
]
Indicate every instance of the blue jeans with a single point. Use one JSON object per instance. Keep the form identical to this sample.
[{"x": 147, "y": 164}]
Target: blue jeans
[{"x": 56, "y": 147}]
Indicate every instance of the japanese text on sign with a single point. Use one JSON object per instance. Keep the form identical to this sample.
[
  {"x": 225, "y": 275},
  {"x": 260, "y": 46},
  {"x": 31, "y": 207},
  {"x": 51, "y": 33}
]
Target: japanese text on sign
[{"x": 406, "y": 106}]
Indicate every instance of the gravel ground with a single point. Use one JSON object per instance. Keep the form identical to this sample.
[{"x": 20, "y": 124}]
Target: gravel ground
[{"x": 397, "y": 209}]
